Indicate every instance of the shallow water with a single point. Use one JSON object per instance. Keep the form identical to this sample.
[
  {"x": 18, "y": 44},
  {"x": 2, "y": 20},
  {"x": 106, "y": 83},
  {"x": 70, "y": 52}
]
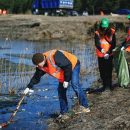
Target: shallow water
[{"x": 44, "y": 100}]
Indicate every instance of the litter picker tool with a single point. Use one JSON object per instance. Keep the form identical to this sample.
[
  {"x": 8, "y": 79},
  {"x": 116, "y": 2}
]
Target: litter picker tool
[{"x": 13, "y": 114}]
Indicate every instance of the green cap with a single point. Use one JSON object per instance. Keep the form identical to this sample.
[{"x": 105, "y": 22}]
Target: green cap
[
  {"x": 128, "y": 16},
  {"x": 104, "y": 22}
]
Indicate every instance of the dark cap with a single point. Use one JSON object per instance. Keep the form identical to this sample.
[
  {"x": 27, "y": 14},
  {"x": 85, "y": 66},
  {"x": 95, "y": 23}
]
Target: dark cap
[{"x": 37, "y": 58}]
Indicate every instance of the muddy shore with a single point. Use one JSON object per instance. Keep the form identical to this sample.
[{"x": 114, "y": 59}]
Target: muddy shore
[
  {"x": 40, "y": 28},
  {"x": 109, "y": 111}
]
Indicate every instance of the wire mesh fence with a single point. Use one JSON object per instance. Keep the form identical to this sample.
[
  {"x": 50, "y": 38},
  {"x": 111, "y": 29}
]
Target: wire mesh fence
[{"x": 16, "y": 68}]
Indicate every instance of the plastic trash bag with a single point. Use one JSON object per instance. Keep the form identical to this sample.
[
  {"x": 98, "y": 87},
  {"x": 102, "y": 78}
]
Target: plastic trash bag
[{"x": 121, "y": 67}]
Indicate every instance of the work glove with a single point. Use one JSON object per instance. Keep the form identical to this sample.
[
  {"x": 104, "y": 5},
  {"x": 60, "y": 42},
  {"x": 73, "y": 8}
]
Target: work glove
[
  {"x": 106, "y": 56},
  {"x": 65, "y": 84},
  {"x": 122, "y": 48},
  {"x": 103, "y": 51},
  {"x": 28, "y": 91}
]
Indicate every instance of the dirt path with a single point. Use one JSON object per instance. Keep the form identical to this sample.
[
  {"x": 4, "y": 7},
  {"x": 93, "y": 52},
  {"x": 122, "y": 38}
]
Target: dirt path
[{"x": 109, "y": 111}]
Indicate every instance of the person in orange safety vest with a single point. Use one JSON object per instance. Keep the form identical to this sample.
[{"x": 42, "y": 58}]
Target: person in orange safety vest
[
  {"x": 1, "y": 11},
  {"x": 65, "y": 67},
  {"x": 4, "y": 12},
  {"x": 105, "y": 42},
  {"x": 126, "y": 43}
]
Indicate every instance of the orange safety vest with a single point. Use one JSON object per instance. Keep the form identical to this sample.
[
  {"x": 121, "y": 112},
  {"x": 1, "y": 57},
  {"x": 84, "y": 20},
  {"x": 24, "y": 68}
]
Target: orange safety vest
[
  {"x": 4, "y": 12},
  {"x": 52, "y": 69},
  {"x": 128, "y": 39},
  {"x": 101, "y": 13},
  {"x": 104, "y": 43},
  {"x": 128, "y": 49},
  {"x": 0, "y": 11}
]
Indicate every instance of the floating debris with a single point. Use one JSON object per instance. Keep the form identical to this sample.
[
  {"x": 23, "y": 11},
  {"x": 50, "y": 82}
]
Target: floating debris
[
  {"x": 46, "y": 89},
  {"x": 55, "y": 97},
  {"x": 40, "y": 113},
  {"x": 46, "y": 97},
  {"x": 39, "y": 90},
  {"x": 23, "y": 110}
]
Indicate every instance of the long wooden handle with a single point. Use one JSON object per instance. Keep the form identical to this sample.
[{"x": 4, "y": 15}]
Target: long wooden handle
[
  {"x": 14, "y": 113},
  {"x": 17, "y": 108}
]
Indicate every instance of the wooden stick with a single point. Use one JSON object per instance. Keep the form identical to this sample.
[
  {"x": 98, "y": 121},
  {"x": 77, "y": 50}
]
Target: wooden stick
[{"x": 14, "y": 113}]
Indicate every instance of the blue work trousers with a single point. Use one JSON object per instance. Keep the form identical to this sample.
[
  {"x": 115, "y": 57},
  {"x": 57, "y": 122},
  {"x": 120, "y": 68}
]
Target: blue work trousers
[{"x": 75, "y": 83}]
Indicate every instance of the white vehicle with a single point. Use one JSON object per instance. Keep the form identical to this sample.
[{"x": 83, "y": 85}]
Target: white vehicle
[{"x": 85, "y": 13}]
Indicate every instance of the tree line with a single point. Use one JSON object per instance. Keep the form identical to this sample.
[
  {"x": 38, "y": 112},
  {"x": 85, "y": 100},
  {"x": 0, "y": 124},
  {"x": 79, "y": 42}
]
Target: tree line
[
  {"x": 92, "y": 6},
  {"x": 95, "y": 6}
]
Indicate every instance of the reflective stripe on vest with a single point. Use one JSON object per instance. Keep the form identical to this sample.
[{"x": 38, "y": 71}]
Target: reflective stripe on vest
[
  {"x": 128, "y": 39},
  {"x": 104, "y": 43},
  {"x": 112, "y": 33},
  {"x": 52, "y": 63},
  {"x": 52, "y": 69}
]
